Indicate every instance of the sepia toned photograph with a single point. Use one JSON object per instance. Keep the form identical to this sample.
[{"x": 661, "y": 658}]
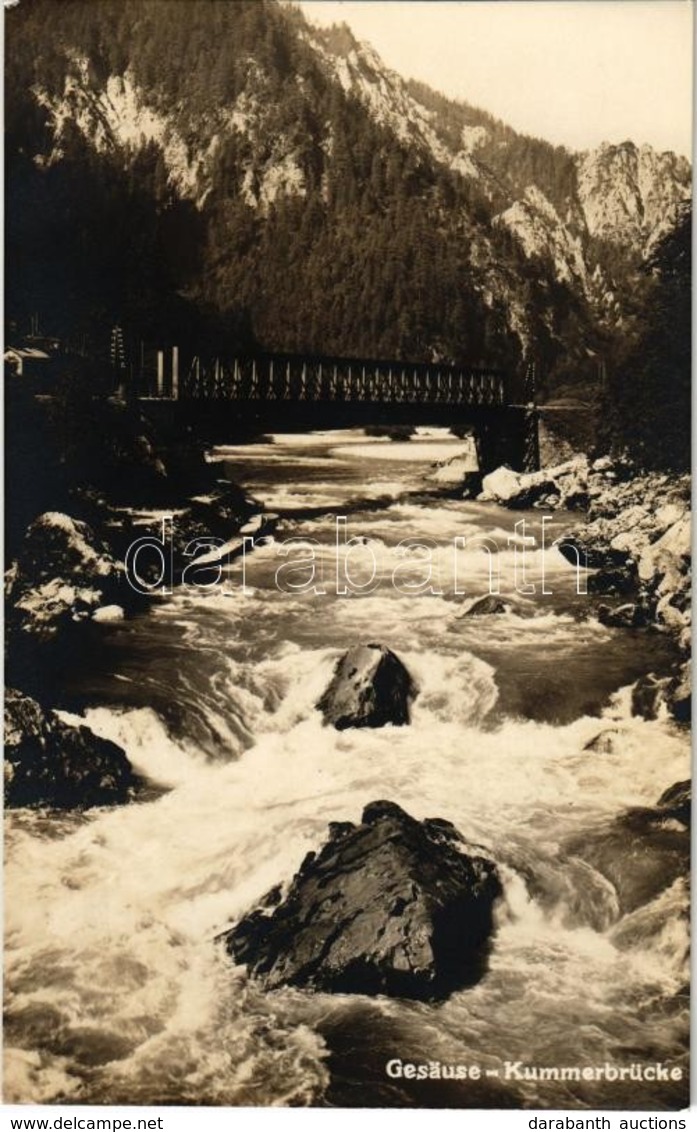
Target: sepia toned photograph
[{"x": 347, "y": 702}]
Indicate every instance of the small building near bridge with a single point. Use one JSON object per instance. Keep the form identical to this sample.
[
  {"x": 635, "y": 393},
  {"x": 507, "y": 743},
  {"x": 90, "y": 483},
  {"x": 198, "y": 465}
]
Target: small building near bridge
[
  {"x": 26, "y": 361},
  {"x": 32, "y": 359}
]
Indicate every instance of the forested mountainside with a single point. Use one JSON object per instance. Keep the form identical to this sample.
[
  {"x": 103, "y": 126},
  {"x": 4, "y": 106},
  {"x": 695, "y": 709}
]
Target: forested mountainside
[{"x": 229, "y": 175}]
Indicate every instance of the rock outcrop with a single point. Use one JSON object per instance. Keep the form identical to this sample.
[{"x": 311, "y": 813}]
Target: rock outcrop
[
  {"x": 392, "y": 906},
  {"x": 49, "y": 763},
  {"x": 630, "y": 193},
  {"x": 370, "y": 688},
  {"x": 565, "y": 485},
  {"x": 62, "y": 574}
]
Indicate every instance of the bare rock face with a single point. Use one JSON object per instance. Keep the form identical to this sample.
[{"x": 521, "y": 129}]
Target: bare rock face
[
  {"x": 49, "y": 763},
  {"x": 630, "y": 193},
  {"x": 370, "y": 688},
  {"x": 392, "y": 906}
]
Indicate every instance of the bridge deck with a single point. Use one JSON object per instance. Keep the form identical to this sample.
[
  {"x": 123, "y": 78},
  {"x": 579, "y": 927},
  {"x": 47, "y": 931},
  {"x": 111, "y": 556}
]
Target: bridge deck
[
  {"x": 272, "y": 392},
  {"x": 286, "y": 377}
]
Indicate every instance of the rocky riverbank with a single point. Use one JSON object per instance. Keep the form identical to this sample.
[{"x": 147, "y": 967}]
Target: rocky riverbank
[
  {"x": 634, "y": 534},
  {"x": 49, "y": 763}
]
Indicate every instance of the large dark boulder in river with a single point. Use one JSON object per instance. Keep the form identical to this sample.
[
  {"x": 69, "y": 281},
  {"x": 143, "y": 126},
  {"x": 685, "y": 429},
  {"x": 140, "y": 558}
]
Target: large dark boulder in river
[
  {"x": 49, "y": 763},
  {"x": 370, "y": 688},
  {"x": 392, "y": 906}
]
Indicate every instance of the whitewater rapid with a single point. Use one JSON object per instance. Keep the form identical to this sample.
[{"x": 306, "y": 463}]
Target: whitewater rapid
[{"x": 116, "y": 990}]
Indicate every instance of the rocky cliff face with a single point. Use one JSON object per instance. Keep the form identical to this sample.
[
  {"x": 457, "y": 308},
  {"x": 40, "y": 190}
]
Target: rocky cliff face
[
  {"x": 541, "y": 232},
  {"x": 623, "y": 196},
  {"x": 631, "y": 194}
]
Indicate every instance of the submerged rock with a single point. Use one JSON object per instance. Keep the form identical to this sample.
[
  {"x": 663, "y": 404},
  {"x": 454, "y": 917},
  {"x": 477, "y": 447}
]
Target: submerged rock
[
  {"x": 392, "y": 906},
  {"x": 606, "y": 742},
  {"x": 370, "y": 688},
  {"x": 49, "y": 763},
  {"x": 457, "y": 471},
  {"x": 628, "y": 616},
  {"x": 486, "y": 605},
  {"x": 679, "y": 694},
  {"x": 641, "y": 852},
  {"x": 648, "y": 696}
]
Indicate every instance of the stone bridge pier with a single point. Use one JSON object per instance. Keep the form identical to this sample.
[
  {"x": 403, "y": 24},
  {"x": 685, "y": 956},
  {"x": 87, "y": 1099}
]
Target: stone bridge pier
[{"x": 510, "y": 438}]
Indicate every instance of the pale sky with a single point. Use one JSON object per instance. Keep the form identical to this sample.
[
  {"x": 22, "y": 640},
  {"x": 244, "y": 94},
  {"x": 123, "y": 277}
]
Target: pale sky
[{"x": 575, "y": 72}]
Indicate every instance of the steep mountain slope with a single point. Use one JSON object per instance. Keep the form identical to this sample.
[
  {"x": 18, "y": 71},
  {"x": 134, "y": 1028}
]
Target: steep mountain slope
[
  {"x": 558, "y": 203},
  {"x": 227, "y": 172}
]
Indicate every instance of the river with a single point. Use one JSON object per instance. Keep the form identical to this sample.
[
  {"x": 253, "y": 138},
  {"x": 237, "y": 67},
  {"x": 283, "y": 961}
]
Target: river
[{"x": 116, "y": 991}]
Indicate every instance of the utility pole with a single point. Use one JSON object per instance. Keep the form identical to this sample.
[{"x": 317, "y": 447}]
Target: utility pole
[
  {"x": 532, "y": 427},
  {"x": 117, "y": 357}
]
